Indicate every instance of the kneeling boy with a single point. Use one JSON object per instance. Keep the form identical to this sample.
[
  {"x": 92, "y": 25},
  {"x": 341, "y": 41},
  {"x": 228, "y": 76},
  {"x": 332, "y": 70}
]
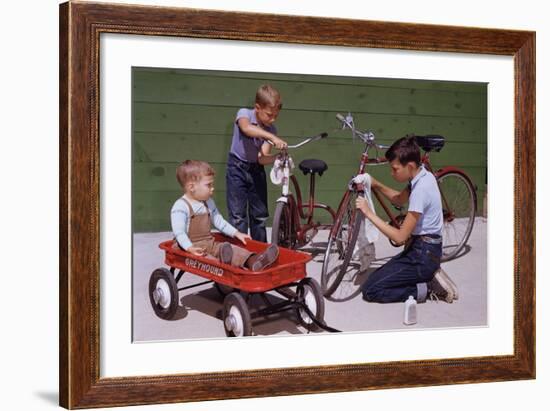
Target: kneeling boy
[{"x": 411, "y": 272}]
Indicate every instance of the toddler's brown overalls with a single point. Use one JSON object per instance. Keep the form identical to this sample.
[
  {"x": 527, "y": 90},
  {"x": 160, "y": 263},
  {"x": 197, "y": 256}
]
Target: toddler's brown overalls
[{"x": 200, "y": 235}]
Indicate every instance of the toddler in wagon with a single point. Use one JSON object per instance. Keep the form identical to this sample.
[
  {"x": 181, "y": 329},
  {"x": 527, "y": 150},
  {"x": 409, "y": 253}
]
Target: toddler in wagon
[{"x": 194, "y": 213}]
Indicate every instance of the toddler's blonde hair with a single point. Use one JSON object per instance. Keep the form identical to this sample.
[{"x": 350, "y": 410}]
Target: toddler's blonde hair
[{"x": 192, "y": 171}]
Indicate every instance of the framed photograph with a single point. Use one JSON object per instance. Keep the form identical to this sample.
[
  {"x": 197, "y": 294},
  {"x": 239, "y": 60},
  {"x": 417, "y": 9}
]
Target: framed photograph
[
  {"x": 144, "y": 88},
  {"x": 170, "y": 126}
]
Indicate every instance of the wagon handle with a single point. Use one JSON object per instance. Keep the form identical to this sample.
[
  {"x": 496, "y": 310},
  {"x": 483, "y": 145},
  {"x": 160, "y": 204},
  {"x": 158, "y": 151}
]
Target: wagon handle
[{"x": 318, "y": 323}]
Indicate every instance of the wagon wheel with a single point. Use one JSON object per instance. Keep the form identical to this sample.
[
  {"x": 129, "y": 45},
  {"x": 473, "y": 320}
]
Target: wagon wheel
[
  {"x": 163, "y": 293},
  {"x": 310, "y": 293},
  {"x": 236, "y": 317}
]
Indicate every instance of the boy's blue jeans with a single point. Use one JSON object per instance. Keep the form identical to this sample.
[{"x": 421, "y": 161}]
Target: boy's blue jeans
[
  {"x": 246, "y": 195},
  {"x": 405, "y": 274}
]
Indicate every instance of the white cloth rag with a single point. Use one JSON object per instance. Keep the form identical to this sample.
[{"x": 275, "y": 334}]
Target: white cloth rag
[
  {"x": 365, "y": 250},
  {"x": 277, "y": 171}
]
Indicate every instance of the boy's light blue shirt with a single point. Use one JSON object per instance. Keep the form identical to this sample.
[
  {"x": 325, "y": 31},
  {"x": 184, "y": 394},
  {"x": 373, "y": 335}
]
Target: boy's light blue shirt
[
  {"x": 244, "y": 147},
  {"x": 426, "y": 200},
  {"x": 179, "y": 217}
]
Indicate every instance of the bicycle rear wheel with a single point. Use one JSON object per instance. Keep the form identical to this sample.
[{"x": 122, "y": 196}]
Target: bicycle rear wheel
[
  {"x": 281, "y": 231},
  {"x": 341, "y": 243},
  {"x": 459, "y": 207}
]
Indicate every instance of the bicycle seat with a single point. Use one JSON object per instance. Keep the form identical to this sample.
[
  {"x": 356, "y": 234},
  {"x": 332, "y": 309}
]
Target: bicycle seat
[
  {"x": 431, "y": 142},
  {"x": 313, "y": 166}
]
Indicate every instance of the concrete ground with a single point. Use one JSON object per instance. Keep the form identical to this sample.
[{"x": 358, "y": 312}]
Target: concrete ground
[{"x": 200, "y": 311}]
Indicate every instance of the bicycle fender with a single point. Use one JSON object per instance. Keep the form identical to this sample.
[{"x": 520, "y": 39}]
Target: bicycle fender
[
  {"x": 454, "y": 169},
  {"x": 282, "y": 199}
]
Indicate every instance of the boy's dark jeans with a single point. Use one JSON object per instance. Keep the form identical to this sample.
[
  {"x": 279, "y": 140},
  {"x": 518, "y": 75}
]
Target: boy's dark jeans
[
  {"x": 247, "y": 197},
  {"x": 404, "y": 275}
]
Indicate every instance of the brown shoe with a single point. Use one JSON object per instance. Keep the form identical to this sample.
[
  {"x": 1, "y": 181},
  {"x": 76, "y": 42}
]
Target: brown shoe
[
  {"x": 260, "y": 261},
  {"x": 226, "y": 253}
]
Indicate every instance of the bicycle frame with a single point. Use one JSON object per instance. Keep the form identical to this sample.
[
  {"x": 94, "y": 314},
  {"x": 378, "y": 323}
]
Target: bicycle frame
[
  {"x": 311, "y": 204},
  {"x": 303, "y": 232}
]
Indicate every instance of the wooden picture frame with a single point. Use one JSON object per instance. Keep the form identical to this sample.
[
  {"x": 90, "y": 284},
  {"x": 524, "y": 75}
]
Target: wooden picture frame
[{"x": 80, "y": 27}]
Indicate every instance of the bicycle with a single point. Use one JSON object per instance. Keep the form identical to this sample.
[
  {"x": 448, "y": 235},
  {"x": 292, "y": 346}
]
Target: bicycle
[
  {"x": 289, "y": 229},
  {"x": 459, "y": 201}
]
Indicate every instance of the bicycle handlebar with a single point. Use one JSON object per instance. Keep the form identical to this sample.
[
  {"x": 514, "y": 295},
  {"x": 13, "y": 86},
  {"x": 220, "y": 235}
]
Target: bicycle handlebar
[
  {"x": 367, "y": 137},
  {"x": 340, "y": 117},
  {"x": 309, "y": 140},
  {"x": 304, "y": 142}
]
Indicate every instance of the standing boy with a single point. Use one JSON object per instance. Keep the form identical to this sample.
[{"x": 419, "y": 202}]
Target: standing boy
[
  {"x": 413, "y": 271},
  {"x": 246, "y": 183}
]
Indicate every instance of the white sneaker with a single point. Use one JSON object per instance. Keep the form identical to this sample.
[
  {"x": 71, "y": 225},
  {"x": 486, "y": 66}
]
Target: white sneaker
[
  {"x": 440, "y": 289},
  {"x": 443, "y": 277}
]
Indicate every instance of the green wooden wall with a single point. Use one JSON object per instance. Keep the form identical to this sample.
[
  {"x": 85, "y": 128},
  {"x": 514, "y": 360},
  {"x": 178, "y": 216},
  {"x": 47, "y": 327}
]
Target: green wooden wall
[{"x": 189, "y": 114}]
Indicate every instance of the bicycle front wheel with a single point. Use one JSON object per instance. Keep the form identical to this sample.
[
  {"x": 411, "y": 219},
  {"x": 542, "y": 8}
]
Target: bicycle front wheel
[
  {"x": 281, "y": 231},
  {"x": 341, "y": 244},
  {"x": 459, "y": 207}
]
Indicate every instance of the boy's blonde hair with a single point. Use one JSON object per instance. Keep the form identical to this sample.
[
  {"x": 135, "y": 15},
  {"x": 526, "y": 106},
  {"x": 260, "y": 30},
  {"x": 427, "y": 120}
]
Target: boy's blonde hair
[
  {"x": 268, "y": 95},
  {"x": 192, "y": 171}
]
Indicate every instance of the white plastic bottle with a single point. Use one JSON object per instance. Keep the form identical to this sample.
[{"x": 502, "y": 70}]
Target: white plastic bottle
[{"x": 409, "y": 316}]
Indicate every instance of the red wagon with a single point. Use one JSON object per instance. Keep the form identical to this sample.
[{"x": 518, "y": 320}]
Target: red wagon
[{"x": 287, "y": 277}]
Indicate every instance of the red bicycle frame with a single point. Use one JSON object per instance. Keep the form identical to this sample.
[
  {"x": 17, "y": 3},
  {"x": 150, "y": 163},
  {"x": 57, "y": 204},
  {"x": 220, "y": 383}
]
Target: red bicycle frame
[{"x": 298, "y": 213}]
